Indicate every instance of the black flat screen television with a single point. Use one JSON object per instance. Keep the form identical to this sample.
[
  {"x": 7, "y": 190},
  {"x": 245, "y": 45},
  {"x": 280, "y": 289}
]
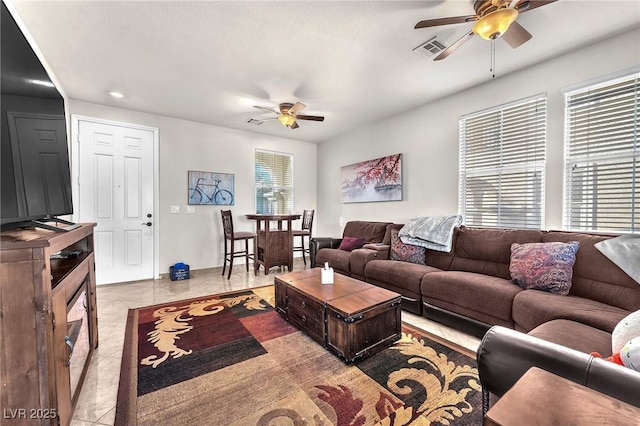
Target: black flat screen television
[{"x": 35, "y": 174}]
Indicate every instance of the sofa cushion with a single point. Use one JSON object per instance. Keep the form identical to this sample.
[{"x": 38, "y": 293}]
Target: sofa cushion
[
  {"x": 351, "y": 243},
  {"x": 533, "y": 307},
  {"x": 359, "y": 259},
  {"x": 543, "y": 266},
  {"x": 595, "y": 276},
  {"x": 387, "y": 235},
  {"x": 488, "y": 251},
  {"x": 337, "y": 259},
  {"x": 574, "y": 335},
  {"x": 438, "y": 259},
  {"x": 373, "y": 232},
  {"x": 483, "y": 297},
  {"x": 400, "y": 274},
  {"x": 405, "y": 252}
]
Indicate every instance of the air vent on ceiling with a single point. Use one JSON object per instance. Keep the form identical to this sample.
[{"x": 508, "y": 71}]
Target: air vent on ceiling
[
  {"x": 254, "y": 121},
  {"x": 431, "y": 47}
]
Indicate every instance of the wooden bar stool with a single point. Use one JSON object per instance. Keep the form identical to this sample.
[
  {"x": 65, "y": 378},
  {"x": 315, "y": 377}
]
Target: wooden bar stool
[
  {"x": 231, "y": 236},
  {"x": 307, "y": 225}
]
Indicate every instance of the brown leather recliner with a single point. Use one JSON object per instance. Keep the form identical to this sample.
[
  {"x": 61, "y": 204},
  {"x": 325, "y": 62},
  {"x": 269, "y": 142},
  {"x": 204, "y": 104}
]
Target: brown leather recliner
[{"x": 504, "y": 355}]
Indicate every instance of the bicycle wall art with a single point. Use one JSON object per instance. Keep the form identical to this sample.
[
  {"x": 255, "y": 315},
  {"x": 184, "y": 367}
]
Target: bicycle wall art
[{"x": 210, "y": 189}]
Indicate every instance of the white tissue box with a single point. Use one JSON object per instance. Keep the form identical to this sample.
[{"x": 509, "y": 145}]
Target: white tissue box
[{"x": 326, "y": 276}]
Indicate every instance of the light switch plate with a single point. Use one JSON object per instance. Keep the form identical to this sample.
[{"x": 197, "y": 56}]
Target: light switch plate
[
  {"x": 175, "y": 209},
  {"x": 191, "y": 209}
]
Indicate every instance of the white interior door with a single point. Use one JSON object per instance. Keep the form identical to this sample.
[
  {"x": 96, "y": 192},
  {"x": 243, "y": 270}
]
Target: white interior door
[{"x": 116, "y": 190}]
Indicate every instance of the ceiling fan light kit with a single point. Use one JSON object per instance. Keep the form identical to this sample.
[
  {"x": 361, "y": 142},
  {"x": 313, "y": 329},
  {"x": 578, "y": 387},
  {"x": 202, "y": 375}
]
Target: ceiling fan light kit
[
  {"x": 287, "y": 120},
  {"x": 288, "y": 114},
  {"x": 494, "y": 24}
]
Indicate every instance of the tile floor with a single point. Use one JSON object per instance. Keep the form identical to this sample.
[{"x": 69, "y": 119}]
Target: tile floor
[{"x": 97, "y": 401}]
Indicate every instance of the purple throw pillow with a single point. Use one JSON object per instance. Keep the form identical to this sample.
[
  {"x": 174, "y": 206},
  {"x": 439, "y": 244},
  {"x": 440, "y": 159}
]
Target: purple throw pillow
[
  {"x": 352, "y": 243},
  {"x": 543, "y": 266},
  {"x": 405, "y": 252}
]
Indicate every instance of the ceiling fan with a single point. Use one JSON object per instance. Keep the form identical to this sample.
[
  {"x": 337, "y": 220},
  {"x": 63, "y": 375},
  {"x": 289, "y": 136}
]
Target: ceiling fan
[
  {"x": 493, "y": 19},
  {"x": 288, "y": 114}
]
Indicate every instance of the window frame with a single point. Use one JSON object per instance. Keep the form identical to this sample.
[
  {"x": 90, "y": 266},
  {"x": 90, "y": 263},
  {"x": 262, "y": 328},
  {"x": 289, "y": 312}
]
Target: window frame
[
  {"x": 588, "y": 222},
  {"x": 289, "y": 204},
  {"x": 514, "y": 166}
]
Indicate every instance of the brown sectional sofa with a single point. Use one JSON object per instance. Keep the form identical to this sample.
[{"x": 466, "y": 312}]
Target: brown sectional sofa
[{"x": 470, "y": 288}]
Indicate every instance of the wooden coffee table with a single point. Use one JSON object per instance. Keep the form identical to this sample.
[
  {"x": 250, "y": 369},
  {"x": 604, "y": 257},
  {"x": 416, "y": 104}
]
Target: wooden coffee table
[{"x": 351, "y": 318}]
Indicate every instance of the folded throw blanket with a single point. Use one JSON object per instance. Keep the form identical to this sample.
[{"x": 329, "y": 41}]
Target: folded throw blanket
[
  {"x": 435, "y": 232},
  {"x": 624, "y": 251}
]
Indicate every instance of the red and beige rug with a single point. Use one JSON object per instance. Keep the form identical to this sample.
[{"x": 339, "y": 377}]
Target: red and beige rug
[{"x": 230, "y": 359}]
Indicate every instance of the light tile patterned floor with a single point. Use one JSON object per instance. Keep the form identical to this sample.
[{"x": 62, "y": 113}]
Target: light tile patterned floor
[{"x": 97, "y": 400}]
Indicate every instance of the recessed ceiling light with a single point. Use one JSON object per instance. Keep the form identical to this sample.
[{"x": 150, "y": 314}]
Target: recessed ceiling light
[
  {"x": 115, "y": 94},
  {"x": 41, "y": 83}
]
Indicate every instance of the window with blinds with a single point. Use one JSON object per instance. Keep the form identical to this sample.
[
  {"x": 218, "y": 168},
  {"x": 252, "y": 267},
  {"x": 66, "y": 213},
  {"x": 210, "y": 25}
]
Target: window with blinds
[
  {"x": 602, "y": 175},
  {"x": 502, "y": 165},
  {"x": 274, "y": 182}
]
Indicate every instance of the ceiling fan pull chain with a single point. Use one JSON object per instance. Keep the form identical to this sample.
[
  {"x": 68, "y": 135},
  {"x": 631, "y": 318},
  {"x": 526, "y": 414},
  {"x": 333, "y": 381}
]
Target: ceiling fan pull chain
[{"x": 492, "y": 67}]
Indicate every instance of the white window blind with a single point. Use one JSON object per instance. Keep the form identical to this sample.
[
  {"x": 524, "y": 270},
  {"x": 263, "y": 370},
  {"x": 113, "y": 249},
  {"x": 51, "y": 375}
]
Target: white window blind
[
  {"x": 502, "y": 165},
  {"x": 274, "y": 182},
  {"x": 602, "y": 175}
]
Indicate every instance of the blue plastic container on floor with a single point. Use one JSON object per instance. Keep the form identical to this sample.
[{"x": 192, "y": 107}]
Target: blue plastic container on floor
[{"x": 179, "y": 271}]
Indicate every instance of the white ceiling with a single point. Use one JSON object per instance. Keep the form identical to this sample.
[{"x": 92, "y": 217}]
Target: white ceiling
[{"x": 351, "y": 61}]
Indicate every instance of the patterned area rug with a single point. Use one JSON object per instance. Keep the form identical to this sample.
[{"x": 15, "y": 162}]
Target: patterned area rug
[{"x": 230, "y": 359}]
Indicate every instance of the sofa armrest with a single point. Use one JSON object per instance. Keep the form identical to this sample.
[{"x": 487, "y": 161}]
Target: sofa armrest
[
  {"x": 360, "y": 257},
  {"x": 382, "y": 250},
  {"x": 317, "y": 243},
  {"x": 504, "y": 355}
]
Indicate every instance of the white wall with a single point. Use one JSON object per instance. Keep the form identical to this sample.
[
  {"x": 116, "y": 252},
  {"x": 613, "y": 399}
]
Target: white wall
[
  {"x": 196, "y": 239},
  {"x": 428, "y": 139}
]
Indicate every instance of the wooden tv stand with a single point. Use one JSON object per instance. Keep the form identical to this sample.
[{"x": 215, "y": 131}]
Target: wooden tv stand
[{"x": 48, "y": 322}]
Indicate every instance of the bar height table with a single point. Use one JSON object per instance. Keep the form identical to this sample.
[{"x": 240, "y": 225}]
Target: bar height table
[{"x": 273, "y": 246}]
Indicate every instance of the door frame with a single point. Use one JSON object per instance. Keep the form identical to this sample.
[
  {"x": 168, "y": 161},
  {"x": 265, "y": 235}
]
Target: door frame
[{"x": 75, "y": 175}]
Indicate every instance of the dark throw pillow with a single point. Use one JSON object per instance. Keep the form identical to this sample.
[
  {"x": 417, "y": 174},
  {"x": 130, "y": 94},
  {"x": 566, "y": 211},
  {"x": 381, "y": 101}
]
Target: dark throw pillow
[
  {"x": 352, "y": 243},
  {"x": 543, "y": 266},
  {"x": 405, "y": 252}
]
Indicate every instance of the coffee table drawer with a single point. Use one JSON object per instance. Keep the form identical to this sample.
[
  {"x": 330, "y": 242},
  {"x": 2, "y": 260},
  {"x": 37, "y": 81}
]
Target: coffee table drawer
[
  {"x": 307, "y": 313},
  {"x": 304, "y": 304},
  {"x": 309, "y": 322}
]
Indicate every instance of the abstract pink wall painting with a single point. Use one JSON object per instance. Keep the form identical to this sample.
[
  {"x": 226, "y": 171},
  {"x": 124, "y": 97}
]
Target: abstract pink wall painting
[{"x": 379, "y": 179}]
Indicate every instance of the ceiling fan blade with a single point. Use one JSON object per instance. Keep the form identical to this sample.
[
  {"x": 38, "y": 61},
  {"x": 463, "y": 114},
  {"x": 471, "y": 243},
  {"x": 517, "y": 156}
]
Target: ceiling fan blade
[
  {"x": 266, "y": 109},
  {"x": 310, "y": 117},
  {"x": 294, "y": 125},
  {"x": 516, "y": 35},
  {"x": 449, "y": 50},
  {"x": 445, "y": 21},
  {"x": 297, "y": 108},
  {"x": 527, "y": 5}
]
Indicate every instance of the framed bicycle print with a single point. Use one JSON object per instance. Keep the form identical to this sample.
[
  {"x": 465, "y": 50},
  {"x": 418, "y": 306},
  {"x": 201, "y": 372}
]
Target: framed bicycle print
[{"x": 210, "y": 188}]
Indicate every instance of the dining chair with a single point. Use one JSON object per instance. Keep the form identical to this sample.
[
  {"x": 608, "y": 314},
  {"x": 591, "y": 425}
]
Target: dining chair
[
  {"x": 307, "y": 225},
  {"x": 230, "y": 238}
]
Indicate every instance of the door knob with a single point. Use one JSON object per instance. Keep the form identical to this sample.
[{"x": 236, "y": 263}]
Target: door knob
[{"x": 147, "y": 223}]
